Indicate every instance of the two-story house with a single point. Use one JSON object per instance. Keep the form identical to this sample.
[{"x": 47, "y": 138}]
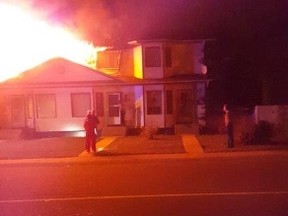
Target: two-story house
[
  {"x": 156, "y": 83},
  {"x": 169, "y": 82}
]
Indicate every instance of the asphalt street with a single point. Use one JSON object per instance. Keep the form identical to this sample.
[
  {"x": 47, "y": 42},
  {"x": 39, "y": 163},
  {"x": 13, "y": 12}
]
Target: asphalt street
[{"x": 146, "y": 185}]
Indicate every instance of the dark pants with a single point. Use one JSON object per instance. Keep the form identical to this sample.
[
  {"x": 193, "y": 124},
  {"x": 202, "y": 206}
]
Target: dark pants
[
  {"x": 90, "y": 141},
  {"x": 230, "y": 140}
]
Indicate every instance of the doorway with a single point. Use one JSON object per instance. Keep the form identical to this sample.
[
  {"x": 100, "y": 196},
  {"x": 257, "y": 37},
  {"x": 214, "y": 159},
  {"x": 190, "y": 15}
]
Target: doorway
[
  {"x": 185, "y": 107},
  {"x": 114, "y": 108}
]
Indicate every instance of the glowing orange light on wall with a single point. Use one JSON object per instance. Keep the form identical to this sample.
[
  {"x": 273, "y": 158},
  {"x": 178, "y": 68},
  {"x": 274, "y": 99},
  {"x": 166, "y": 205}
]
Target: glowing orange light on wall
[{"x": 138, "y": 67}]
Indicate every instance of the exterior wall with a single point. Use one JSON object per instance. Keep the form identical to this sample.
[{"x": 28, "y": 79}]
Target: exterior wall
[
  {"x": 126, "y": 62},
  {"x": 129, "y": 62},
  {"x": 63, "y": 121},
  {"x": 198, "y": 55}
]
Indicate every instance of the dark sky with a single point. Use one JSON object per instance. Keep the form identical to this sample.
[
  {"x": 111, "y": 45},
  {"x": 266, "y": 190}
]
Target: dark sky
[
  {"x": 252, "y": 35},
  {"x": 110, "y": 21}
]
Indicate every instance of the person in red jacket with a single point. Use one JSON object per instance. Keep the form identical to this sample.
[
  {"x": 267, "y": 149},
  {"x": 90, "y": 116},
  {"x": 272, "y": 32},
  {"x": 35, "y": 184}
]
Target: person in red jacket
[{"x": 90, "y": 125}]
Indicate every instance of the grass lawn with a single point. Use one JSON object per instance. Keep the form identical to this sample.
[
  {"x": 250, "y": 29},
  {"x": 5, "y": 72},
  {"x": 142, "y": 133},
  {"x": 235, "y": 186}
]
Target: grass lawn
[
  {"x": 217, "y": 143},
  {"x": 160, "y": 144}
]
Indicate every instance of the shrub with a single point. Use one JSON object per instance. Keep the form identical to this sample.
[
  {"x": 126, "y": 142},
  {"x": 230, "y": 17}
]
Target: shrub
[
  {"x": 263, "y": 132},
  {"x": 258, "y": 134},
  {"x": 247, "y": 136},
  {"x": 149, "y": 132}
]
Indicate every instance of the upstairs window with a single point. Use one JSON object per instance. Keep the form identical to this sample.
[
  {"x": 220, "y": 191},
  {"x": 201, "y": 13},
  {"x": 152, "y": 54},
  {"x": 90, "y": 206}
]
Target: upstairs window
[
  {"x": 152, "y": 57},
  {"x": 108, "y": 59}
]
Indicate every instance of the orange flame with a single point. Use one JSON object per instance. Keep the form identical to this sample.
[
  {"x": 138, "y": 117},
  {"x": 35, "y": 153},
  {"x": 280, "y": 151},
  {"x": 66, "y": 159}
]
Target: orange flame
[{"x": 26, "y": 41}]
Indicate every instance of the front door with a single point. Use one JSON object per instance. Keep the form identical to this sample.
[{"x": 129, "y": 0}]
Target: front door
[
  {"x": 185, "y": 106},
  {"x": 114, "y": 108},
  {"x": 17, "y": 111}
]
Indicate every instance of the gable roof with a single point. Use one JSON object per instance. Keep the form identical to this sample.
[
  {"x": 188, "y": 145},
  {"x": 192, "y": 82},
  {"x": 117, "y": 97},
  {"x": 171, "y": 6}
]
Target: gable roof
[{"x": 60, "y": 70}]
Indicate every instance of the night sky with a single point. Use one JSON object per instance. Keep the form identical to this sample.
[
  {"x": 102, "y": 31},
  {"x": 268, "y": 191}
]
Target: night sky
[{"x": 248, "y": 60}]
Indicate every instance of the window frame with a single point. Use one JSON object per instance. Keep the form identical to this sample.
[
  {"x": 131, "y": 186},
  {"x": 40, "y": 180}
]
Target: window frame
[
  {"x": 54, "y": 115},
  {"x": 73, "y": 114},
  {"x": 151, "y": 57}
]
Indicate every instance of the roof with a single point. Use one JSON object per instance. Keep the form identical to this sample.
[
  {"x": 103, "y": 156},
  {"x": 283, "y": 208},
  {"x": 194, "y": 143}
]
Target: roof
[
  {"x": 179, "y": 79},
  {"x": 138, "y": 42},
  {"x": 60, "y": 70}
]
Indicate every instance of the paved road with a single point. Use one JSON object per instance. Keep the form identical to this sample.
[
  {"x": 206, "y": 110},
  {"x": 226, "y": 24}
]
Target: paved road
[{"x": 143, "y": 185}]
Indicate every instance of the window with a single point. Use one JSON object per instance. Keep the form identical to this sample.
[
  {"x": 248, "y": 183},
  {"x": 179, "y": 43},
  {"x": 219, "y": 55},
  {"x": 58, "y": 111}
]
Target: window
[
  {"x": 152, "y": 57},
  {"x": 154, "y": 102},
  {"x": 46, "y": 105},
  {"x": 114, "y": 104},
  {"x": 169, "y": 102},
  {"x": 168, "y": 57},
  {"x": 81, "y": 102},
  {"x": 99, "y": 104},
  {"x": 108, "y": 59}
]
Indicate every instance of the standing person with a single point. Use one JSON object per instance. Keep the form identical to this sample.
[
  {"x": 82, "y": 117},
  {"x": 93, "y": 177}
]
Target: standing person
[
  {"x": 90, "y": 132},
  {"x": 95, "y": 122},
  {"x": 229, "y": 125}
]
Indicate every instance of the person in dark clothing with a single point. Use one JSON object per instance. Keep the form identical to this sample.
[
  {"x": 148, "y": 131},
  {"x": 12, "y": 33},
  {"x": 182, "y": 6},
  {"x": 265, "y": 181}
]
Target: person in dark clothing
[
  {"x": 229, "y": 125},
  {"x": 90, "y": 125}
]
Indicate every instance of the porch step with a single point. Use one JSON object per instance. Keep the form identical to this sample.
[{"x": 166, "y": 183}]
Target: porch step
[
  {"x": 10, "y": 134},
  {"x": 114, "y": 131},
  {"x": 186, "y": 129}
]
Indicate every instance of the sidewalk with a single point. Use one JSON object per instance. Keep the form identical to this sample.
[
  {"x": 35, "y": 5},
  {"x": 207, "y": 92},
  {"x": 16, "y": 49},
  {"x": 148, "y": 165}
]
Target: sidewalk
[
  {"x": 162, "y": 146},
  {"x": 191, "y": 145}
]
